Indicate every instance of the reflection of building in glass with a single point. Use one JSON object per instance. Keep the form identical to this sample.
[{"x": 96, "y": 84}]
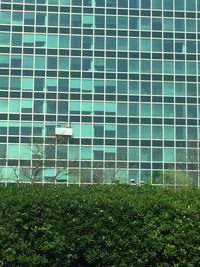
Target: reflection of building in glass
[{"x": 122, "y": 73}]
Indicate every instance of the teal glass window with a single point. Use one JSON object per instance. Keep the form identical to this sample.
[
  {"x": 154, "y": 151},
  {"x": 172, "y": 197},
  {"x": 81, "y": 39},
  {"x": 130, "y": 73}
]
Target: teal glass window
[
  {"x": 192, "y": 111},
  {"x": 134, "y": 44},
  {"x": 123, "y": 3},
  {"x": 145, "y": 88},
  {"x": 157, "y": 154},
  {"x": 27, "y": 83},
  {"x": 179, "y": 25},
  {"x": 146, "y": 154},
  {"x": 61, "y": 152},
  {"x": 179, "y": 5},
  {"x": 180, "y": 155},
  {"x": 28, "y": 62},
  {"x": 75, "y": 85},
  {"x": 110, "y": 86},
  {"x": 13, "y": 151},
  {"x": 121, "y": 153},
  {"x": 134, "y": 131},
  {"x": 191, "y": 5},
  {"x": 4, "y": 39},
  {"x": 87, "y": 85},
  {"x": 134, "y": 154},
  {"x": 157, "y": 132},
  {"x": 110, "y": 131},
  {"x": 99, "y": 108},
  {"x": 168, "y": 88},
  {"x": 145, "y": 66},
  {"x": 168, "y": 24},
  {"x": 29, "y": 18},
  {"x": 52, "y": 41},
  {"x": 180, "y": 133},
  {"x": 156, "y": 66},
  {"x": 41, "y": 19},
  {"x": 134, "y": 109},
  {"x": 191, "y": 89},
  {"x": 157, "y": 45},
  {"x": 99, "y": 43},
  {"x": 180, "y": 111},
  {"x": 191, "y": 68},
  {"x": 121, "y": 131},
  {"x": 5, "y": 17},
  {"x": 133, "y": 66},
  {"x": 191, "y": 46},
  {"x": 25, "y": 152},
  {"x": 157, "y": 24},
  {"x": 86, "y": 130},
  {"x": 146, "y": 109},
  {"x": 64, "y": 20},
  {"x": 74, "y": 152},
  {"x": 15, "y": 83},
  {"x": 122, "y": 109},
  {"x": 51, "y": 84},
  {"x": 169, "y": 155},
  {"x": 122, "y": 22},
  {"x": 4, "y": 60},
  {"x": 134, "y": 23},
  {"x": 64, "y": 63},
  {"x": 75, "y": 107},
  {"x": 111, "y": 65},
  {"x": 110, "y": 43},
  {"x": 111, "y": 3},
  {"x": 51, "y": 107},
  {"x": 156, "y": 4},
  {"x": 100, "y": 21},
  {"x": 3, "y": 105},
  {"x": 122, "y": 87},
  {"x": 157, "y": 110},
  {"x": 122, "y": 44},
  {"x": 3, "y": 131},
  {"x": 179, "y": 67},
  {"x": 86, "y": 152},
  {"x": 110, "y": 22},
  {"x": 168, "y": 132},
  {"x": 145, "y": 131},
  {"x": 180, "y": 89},
  {"x": 122, "y": 65},
  {"x": 76, "y": 129},
  {"x": 145, "y": 23},
  {"x": 39, "y": 62},
  {"x": 99, "y": 64},
  {"x": 133, "y": 87},
  {"x": 63, "y": 41},
  {"x": 16, "y": 39},
  {"x": 76, "y": 20},
  {"x": 168, "y": 4},
  {"x": 145, "y": 45},
  {"x": 168, "y": 110},
  {"x": 26, "y": 106},
  {"x": 168, "y": 67},
  {"x": 192, "y": 134}
]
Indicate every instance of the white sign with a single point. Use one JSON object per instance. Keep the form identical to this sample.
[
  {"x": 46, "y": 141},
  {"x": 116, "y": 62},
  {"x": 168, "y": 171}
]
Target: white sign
[{"x": 63, "y": 131}]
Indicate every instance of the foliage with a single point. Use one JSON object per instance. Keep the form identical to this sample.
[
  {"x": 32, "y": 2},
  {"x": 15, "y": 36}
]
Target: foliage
[{"x": 116, "y": 225}]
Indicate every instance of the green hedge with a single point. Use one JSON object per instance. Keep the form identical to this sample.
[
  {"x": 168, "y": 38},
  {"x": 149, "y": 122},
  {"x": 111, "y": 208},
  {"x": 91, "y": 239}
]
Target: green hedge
[{"x": 99, "y": 226}]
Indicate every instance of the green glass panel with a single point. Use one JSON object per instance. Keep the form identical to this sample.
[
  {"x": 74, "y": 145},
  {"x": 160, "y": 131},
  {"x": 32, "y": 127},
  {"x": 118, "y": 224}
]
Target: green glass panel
[
  {"x": 86, "y": 130},
  {"x": 168, "y": 132},
  {"x": 169, "y": 154},
  {"x": 145, "y": 131},
  {"x": 146, "y": 154},
  {"x": 134, "y": 154}
]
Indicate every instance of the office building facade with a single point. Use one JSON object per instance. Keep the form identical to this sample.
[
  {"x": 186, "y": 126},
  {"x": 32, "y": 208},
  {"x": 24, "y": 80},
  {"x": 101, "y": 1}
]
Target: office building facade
[{"x": 120, "y": 75}]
